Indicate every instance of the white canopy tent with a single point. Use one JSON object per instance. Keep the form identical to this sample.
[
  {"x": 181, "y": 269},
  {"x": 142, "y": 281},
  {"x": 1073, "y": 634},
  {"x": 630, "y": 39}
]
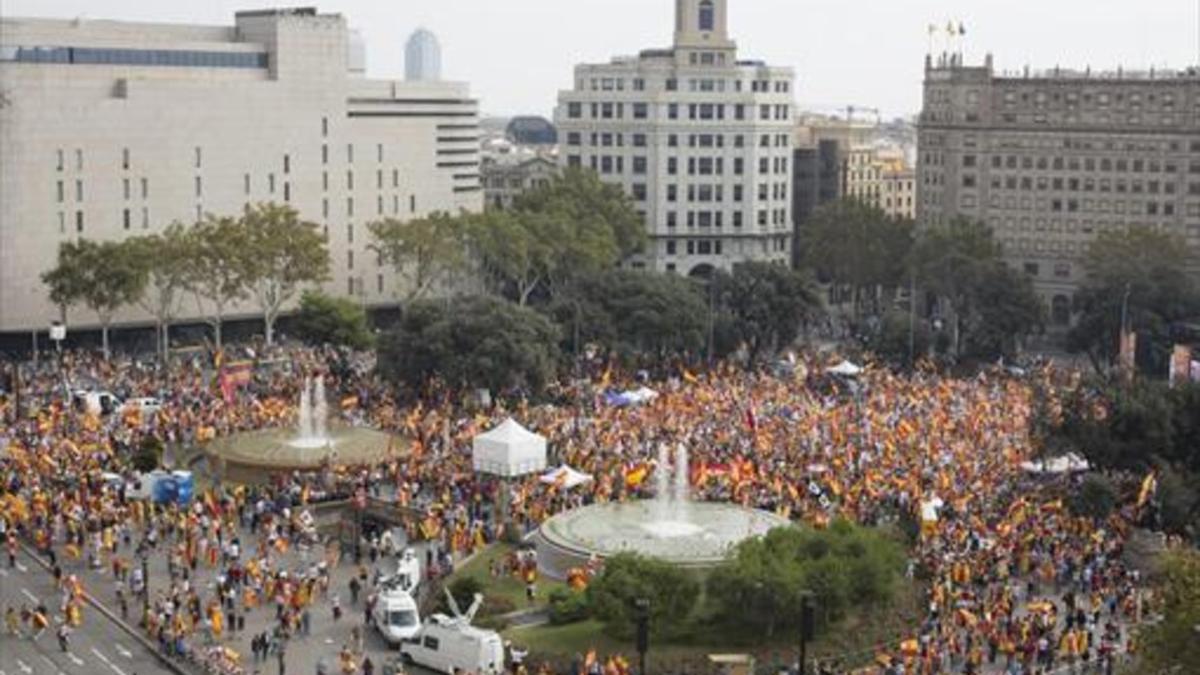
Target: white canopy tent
[
  {"x": 566, "y": 478},
  {"x": 508, "y": 451},
  {"x": 845, "y": 369},
  {"x": 1068, "y": 463}
]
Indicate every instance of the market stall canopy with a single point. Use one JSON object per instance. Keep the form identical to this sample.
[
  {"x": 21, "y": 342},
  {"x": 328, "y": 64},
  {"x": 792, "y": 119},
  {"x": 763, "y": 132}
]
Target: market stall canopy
[
  {"x": 845, "y": 369},
  {"x": 1068, "y": 463},
  {"x": 509, "y": 450},
  {"x": 566, "y": 478},
  {"x": 630, "y": 398}
]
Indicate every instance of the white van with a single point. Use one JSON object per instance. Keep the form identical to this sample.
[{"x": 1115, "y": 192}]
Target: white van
[
  {"x": 446, "y": 645},
  {"x": 396, "y": 617},
  {"x": 100, "y": 403}
]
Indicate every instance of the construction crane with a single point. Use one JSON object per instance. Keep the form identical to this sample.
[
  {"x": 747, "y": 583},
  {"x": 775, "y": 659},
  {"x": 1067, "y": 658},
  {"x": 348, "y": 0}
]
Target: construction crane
[{"x": 851, "y": 109}]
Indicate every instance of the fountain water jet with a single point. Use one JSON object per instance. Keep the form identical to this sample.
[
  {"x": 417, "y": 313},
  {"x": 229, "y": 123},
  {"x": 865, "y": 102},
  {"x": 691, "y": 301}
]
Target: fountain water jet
[
  {"x": 311, "y": 431},
  {"x": 670, "y": 510}
]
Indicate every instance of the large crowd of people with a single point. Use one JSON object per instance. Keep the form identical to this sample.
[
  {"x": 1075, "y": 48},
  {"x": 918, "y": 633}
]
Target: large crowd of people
[{"x": 1017, "y": 584}]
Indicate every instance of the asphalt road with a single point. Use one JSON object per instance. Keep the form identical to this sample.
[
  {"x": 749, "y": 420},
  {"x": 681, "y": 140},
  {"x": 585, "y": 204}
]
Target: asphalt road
[{"x": 98, "y": 647}]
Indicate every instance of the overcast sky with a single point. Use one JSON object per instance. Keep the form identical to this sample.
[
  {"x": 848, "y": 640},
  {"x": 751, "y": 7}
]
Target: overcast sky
[{"x": 517, "y": 54}]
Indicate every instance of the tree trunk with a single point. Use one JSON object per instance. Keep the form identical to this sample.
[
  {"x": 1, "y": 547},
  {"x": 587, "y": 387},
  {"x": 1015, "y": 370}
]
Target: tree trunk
[
  {"x": 165, "y": 338},
  {"x": 269, "y": 323},
  {"x": 104, "y": 337},
  {"x": 217, "y": 332}
]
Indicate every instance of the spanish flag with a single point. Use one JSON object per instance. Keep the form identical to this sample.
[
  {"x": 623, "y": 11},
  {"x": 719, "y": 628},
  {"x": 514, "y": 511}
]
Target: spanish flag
[
  {"x": 636, "y": 476},
  {"x": 1149, "y": 487},
  {"x": 689, "y": 377}
]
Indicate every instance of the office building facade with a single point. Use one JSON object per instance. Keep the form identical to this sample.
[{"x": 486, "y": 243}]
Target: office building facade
[
  {"x": 700, "y": 140},
  {"x": 1050, "y": 160},
  {"x": 111, "y": 129}
]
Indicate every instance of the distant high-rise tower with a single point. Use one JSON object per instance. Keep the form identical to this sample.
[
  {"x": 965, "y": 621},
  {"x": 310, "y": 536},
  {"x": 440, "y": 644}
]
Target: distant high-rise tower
[{"x": 423, "y": 57}]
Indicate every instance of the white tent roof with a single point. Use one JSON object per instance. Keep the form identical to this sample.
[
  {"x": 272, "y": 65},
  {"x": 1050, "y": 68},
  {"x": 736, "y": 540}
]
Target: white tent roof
[
  {"x": 509, "y": 450},
  {"x": 566, "y": 477},
  {"x": 845, "y": 368},
  {"x": 1068, "y": 463}
]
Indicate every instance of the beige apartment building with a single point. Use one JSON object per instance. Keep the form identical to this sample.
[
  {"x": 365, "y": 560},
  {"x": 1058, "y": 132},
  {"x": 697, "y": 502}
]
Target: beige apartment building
[
  {"x": 112, "y": 129},
  {"x": 881, "y": 177},
  {"x": 1052, "y": 159},
  {"x": 700, "y": 139}
]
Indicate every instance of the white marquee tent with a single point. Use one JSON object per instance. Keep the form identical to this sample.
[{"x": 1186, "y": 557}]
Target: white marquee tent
[
  {"x": 509, "y": 450},
  {"x": 566, "y": 478},
  {"x": 845, "y": 369}
]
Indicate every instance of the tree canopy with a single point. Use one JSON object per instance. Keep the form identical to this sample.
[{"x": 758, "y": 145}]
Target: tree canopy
[
  {"x": 989, "y": 304},
  {"x": 471, "y": 342},
  {"x": 425, "y": 252},
  {"x": 672, "y": 594},
  {"x": 335, "y": 321},
  {"x": 1140, "y": 273},
  {"x": 282, "y": 253},
  {"x": 102, "y": 276},
  {"x": 843, "y": 566},
  {"x": 766, "y": 304},
  {"x": 858, "y": 248}
]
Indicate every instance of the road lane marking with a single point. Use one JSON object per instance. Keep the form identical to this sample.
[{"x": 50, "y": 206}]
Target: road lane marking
[
  {"x": 21, "y": 568},
  {"x": 123, "y": 651},
  {"x": 24, "y": 667},
  {"x": 110, "y": 664},
  {"x": 75, "y": 659},
  {"x": 31, "y": 596},
  {"x": 53, "y": 665}
]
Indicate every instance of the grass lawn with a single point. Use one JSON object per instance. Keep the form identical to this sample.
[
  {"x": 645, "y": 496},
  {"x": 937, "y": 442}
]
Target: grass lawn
[{"x": 509, "y": 590}]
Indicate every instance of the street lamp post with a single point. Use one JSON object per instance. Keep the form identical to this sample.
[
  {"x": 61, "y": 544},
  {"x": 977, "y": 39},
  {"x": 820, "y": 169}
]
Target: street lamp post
[
  {"x": 643, "y": 632},
  {"x": 807, "y": 629},
  {"x": 145, "y": 588}
]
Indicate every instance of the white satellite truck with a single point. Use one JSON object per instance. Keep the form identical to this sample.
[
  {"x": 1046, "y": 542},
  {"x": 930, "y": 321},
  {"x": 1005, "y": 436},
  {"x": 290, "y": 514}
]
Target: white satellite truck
[
  {"x": 396, "y": 615},
  {"x": 446, "y": 645}
]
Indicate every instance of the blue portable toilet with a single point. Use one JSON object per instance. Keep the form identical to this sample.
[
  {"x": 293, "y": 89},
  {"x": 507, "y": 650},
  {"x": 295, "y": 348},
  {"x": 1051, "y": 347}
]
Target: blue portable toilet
[
  {"x": 185, "y": 486},
  {"x": 165, "y": 490}
]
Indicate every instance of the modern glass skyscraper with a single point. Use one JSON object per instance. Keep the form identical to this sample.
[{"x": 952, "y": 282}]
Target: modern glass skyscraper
[{"x": 423, "y": 57}]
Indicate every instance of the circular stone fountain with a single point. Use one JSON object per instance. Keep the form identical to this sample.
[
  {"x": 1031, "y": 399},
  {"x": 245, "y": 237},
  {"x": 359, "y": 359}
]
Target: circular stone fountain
[
  {"x": 252, "y": 457},
  {"x": 671, "y": 528}
]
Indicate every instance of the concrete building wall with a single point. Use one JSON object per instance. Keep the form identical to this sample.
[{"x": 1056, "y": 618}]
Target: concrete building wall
[
  {"x": 108, "y": 151},
  {"x": 1050, "y": 160},
  {"x": 700, "y": 140}
]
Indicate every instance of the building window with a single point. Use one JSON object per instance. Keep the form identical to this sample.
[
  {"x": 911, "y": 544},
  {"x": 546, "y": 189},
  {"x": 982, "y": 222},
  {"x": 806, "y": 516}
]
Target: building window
[
  {"x": 287, "y": 163},
  {"x": 79, "y": 221},
  {"x": 145, "y": 188},
  {"x": 640, "y": 111},
  {"x": 61, "y": 192},
  {"x": 574, "y": 110},
  {"x": 324, "y": 154},
  {"x": 707, "y": 15},
  {"x": 62, "y": 222},
  {"x": 349, "y": 180},
  {"x": 350, "y": 153},
  {"x": 246, "y": 184},
  {"x": 78, "y": 190},
  {"x": 127, "y": 190},
  {"x": 287, "y": 191},
  {"x": 125, "y": 159},
  {"x": 199, "y": 186},
  {"x": 379, "y": 153},
  {"x": 412, "y": 204},
  {"x": 350, "y": 206},
  {"x": 324, "y": 127},
  {"x": 349, "y": 260},
  {"x": 79, "y": 160},
  {"x": 145, "y": 218},
  {"x": 125, "y": 219},
  {"x": 271, "y": 183},
  {"x": 199, "y": 158},
  {"x": 61, "y": 161}
]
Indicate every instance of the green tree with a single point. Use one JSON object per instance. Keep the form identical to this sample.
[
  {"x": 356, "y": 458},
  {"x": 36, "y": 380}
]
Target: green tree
[
  {"x": 337, "y": 321},
  {"x": 1171, "y": 646},
  {"x": 517, "y": 250},
  {"x": 215, "y": 270},
  {"x": 897, "y": 334},
  {"x": 637, "y": 314},
  {"x": 425, "y": 252},
  {"x": 471, "y": 342},
  {"x": 768, "y": 305},
  {"x": 843, "y": 566},
  {"x": 1095, "y": 498},
  {"x": 1005, "y": 308},
  {"x": 590, "y": 224},
  {"x": 989, "y": 305},
  {"x": 1139, "y": 274},
  {"x": 282, "y": 254},
  {"x": 857, "y": 248},
  {"x": 104, "y": 277},
  {"x": 628, "y": 578},
  {"x": 163, "y": 258}
]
